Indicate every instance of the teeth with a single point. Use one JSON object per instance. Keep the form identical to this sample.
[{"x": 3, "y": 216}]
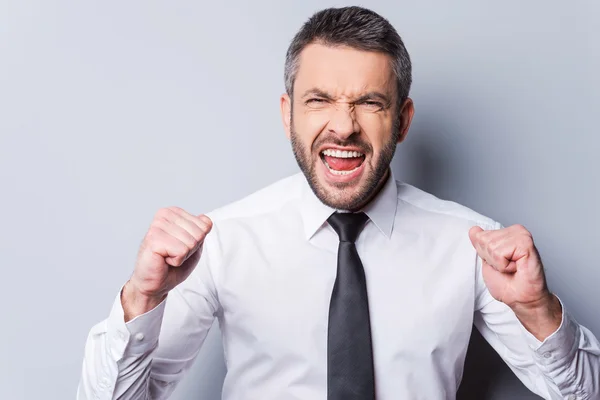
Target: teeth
[{"x": 342, "y": 154}]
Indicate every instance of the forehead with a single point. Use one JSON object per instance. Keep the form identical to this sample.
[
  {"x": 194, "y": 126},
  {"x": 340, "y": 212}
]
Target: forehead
[{"x": 343, "y": 70}]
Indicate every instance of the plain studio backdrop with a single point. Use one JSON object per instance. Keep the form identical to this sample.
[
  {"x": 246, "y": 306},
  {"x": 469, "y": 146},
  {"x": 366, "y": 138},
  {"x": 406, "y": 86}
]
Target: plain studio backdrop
[{"x": 111, "y": 110}]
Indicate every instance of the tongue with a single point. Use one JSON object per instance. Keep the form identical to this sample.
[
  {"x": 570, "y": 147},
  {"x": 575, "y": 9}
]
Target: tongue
[{"x": 343, "y": 164}]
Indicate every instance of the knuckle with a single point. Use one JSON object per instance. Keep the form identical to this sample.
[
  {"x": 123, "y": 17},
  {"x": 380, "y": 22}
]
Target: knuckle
[
  {"x": 520, "y": 228},
  {"x": 157, "y": 223},
  {"x": 175, "y": 209},
  {"x": 199, "y": 227},
  {"x": 190, "y": 243},
  {"x": 182, "y": 249},
  {"x": 153, "y": 232},
  {"x": 207, "y": 227},
  {"x": 163, "y": 214},
  {"x": 204, "y": 219},
  {"x": 528, "y": 241},
  {"x": 198, "y": 235}
]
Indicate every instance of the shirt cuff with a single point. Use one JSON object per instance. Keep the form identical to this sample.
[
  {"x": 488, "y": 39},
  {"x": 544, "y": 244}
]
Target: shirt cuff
[
  {"x": 136, "y": 337},
  {"x": 561, "y": 345}
]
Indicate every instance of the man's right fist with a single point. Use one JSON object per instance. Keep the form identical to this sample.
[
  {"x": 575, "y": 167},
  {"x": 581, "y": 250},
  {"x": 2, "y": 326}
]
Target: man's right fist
[{"x": 168, "y": 254}]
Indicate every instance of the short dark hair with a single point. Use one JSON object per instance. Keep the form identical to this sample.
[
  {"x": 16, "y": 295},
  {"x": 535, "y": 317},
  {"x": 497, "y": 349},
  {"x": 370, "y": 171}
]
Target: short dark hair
[{"x": 355, "y": 27}]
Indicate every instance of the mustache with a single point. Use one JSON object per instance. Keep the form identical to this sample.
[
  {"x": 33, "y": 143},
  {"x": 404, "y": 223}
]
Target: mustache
[{"x": 352, "y": 141}]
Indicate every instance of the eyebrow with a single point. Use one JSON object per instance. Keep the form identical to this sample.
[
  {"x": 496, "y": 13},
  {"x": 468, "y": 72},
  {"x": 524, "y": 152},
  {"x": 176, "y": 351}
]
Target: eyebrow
[
  {"x": 372, "y": 96},
  {"x": 317, "y": 92},
  {"x": 365, "y": 97}
]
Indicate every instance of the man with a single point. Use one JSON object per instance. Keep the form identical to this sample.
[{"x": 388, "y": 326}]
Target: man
[{"x": 340, "y": 282}]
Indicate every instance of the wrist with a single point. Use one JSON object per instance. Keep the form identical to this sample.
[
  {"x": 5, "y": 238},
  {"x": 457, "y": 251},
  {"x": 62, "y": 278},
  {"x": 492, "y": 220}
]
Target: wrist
[
  {"x": 136, "y": 303},
  {"x": 542, "y": 317}
]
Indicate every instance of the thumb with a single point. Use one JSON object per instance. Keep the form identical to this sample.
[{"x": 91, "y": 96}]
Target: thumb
[{"x": 473, "y": 233}]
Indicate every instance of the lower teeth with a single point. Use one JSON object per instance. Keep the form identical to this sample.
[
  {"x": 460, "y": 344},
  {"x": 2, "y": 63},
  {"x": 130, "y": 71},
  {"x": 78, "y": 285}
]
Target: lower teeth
[{"x": 336, "y": 172}]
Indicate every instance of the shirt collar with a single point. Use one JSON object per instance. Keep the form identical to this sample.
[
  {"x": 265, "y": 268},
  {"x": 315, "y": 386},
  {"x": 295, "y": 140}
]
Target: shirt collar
[{"x": 381, "y": 210}]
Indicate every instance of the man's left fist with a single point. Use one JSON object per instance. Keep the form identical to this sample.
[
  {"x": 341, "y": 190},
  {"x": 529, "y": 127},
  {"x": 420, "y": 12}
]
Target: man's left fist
[{"x": 512, "y": 268}]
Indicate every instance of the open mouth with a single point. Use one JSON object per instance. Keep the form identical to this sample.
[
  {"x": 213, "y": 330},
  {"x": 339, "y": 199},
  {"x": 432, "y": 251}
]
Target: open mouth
[{"x": 342, "y": 162}]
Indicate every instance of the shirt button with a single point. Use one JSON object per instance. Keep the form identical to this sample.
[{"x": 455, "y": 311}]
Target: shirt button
[
  {"x": 139, "y": 337},
  {"x": 572, "y": 397},
  {"x": 547, "y": 355}
]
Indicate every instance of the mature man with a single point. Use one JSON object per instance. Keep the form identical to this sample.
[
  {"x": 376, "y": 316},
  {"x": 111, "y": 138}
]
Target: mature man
[{"x": 340, "y": 282}]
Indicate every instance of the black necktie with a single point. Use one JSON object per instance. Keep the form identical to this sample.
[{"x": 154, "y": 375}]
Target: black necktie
[{"x": 350, "y": 372}]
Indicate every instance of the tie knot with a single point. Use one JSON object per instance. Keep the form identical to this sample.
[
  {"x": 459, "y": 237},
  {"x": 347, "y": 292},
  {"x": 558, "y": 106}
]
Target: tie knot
[{"x": 348, "y": 225}]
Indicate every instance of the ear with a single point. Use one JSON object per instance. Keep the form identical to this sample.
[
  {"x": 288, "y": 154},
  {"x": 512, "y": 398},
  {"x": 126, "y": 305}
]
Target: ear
[
  {"x": 286, "y": 113},
  {"x": 407, "y": 111}
]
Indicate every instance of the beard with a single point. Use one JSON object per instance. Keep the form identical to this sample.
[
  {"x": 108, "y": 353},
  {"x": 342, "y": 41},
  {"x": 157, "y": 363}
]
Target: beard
[{"x": 345, "y": 196}]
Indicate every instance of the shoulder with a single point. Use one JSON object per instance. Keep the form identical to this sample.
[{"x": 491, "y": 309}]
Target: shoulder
[
  {"x": 255, "y": 221},
  {"x": 429, "y": 203},
  {"x": 263, "y": 201}
]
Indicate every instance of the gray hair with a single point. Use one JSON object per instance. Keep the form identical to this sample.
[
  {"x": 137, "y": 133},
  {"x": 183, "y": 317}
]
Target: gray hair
[{"x": 355, "y": 27}]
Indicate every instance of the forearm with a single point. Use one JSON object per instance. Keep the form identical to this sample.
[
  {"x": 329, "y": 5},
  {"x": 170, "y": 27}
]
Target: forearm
[
  {"x": 106, "y": 379},
  {"x": 122, "y": 357},
  {"x": 135, "y": 303},
  {"x": 542, "y": 318},
  {"x": 118, "y": 356},
  {"x": 568, "y": 357}
]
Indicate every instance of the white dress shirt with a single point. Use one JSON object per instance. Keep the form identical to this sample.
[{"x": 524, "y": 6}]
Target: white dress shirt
[{"x": 266, "y": 273}]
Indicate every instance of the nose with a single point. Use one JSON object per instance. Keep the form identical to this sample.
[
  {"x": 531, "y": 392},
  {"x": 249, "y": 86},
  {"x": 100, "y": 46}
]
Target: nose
[{"x": 343, "y": 122}]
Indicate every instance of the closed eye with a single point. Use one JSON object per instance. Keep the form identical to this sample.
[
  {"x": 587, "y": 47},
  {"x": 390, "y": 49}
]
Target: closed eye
[
  {"x": 371, "y": 105},
  {"x": 317, "y": 103}
]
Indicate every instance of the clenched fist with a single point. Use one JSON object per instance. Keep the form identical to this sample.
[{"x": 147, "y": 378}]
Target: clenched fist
[
  {"x": 168, "y": 254},
  {"x": 514, "y": 275}
]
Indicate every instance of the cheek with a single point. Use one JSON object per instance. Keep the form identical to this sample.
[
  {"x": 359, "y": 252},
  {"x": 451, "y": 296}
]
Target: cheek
[
  {"x": 308, "y": 126},
  {"x": 377, "y": 129}
]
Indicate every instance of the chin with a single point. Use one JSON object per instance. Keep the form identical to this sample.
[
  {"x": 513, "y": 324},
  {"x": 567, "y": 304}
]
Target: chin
[
  {"x": 345, "y": 184},
  {"x": 341, "y": 192}
]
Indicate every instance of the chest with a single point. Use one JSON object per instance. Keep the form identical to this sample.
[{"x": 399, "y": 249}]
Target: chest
[{"x": 275, "y": 296}]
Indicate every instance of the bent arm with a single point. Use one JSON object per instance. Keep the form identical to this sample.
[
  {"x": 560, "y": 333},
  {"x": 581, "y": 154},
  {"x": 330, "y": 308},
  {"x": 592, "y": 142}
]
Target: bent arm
[
  {"x": 565, "y": 365},
  {"x": 147, "y": 356}
]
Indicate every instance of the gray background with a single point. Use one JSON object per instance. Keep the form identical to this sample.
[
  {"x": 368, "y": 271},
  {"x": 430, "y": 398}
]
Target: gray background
[{"x": 109, "y": 111}]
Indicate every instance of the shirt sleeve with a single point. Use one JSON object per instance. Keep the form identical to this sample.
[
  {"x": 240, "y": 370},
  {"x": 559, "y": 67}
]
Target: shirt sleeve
[
  {"x": 146, "y": 357},
  {"x": 566, "y": 365}
]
